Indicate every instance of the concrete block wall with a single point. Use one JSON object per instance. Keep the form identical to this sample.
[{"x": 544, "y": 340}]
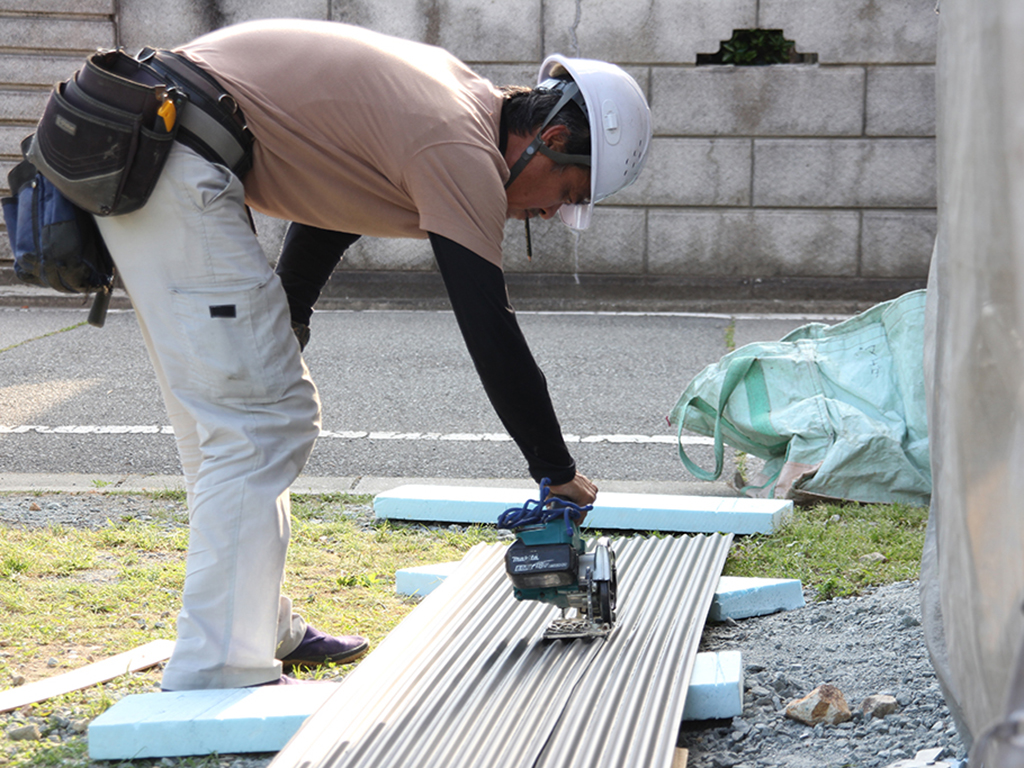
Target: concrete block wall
[
  {"x": 805, "y": 171},
  {"x": 823, "y": 170}
]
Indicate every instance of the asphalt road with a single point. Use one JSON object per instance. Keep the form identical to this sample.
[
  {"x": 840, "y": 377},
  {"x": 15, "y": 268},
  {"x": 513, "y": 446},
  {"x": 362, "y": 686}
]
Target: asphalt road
[{"x": 400, "y": 397}]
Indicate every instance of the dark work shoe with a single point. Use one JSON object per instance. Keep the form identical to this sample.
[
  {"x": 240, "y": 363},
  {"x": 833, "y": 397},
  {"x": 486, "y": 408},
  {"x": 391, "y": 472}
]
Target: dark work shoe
[
  {"x": 319, "y": 648},
  {"x": 285, "y": 680}
]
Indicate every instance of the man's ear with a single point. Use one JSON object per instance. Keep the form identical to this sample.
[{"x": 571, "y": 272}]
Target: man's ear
[{"x": 556, "y": 137}]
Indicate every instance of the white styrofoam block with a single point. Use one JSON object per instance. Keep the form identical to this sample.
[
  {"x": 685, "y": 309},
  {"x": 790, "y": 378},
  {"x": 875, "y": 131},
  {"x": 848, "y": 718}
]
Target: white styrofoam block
[
  {"x": 716, "y": 687},
  {"x": 739, "y": 598},
  {"x": 225, "y": 721},
  {"x": 616, "y": 511},
  {"x": 421, "y": 580}
]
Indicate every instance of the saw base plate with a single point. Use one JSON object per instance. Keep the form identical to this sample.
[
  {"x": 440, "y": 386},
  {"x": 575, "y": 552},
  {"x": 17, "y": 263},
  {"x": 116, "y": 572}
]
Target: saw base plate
[{"x": 570, "y": 629}]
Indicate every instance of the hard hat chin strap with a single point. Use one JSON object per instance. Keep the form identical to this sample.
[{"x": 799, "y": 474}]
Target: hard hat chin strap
[
  {"x": 570, "y": 91},
  {"x": 561, "y": 158}
]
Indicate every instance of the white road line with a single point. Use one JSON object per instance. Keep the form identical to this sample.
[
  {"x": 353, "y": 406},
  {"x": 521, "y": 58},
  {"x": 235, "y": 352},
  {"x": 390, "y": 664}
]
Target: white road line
[
  {"x": 458, "y": 437},
  {"x": 809, "y": 317},
  {"x": 89, "y": 429}
]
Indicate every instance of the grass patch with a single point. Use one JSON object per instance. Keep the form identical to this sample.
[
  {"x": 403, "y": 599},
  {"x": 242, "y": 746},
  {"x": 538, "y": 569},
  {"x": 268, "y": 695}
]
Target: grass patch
[
  {"x": 42, "y": 336},
  {"x": 107, "y": 590},
  {"x": 834, "y": 548},
  {"x": 730, "y": 336},
  {"x": 177, "y": 495},
  {"x": 46, "y": 753},
  {"x": 70, "y": 596}
]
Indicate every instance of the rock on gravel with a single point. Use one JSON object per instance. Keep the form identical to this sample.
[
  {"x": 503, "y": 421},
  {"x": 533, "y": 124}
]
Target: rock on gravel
[
  {"x": 25, "y": 733},
  {"x": 879, "y": 705},
  {"x": 825, "y": 704}
]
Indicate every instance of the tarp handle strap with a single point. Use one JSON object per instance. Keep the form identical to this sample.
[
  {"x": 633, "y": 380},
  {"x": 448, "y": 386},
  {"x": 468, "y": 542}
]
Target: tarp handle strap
[{"x": 749, "y": 371}]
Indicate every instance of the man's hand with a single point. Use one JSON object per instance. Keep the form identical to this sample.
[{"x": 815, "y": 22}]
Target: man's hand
[
  {"x": 301, "y": 333},
  {"x": 579, "y": 490}
]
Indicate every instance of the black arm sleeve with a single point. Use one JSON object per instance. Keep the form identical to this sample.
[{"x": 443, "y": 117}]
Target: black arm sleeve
[
  {"x": 308, "y": 257},
  {"x": 512, "y": 380}
]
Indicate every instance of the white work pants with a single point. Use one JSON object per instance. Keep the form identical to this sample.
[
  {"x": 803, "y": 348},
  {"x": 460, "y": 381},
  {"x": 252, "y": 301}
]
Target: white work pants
[{"x": 244, "y": 410}]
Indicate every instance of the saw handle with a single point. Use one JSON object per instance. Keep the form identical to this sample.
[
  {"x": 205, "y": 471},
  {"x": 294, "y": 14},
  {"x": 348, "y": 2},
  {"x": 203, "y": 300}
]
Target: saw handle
[{"x": 539, "y": 512}]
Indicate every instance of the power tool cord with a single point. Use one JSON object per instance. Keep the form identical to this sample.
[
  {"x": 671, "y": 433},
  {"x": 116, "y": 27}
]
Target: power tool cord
[{"x": 544, "y": 510}]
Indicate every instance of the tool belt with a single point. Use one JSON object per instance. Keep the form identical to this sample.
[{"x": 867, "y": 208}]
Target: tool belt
[
  {"x": 214, "y": 125},
  {"x": 106, "y": 132}
]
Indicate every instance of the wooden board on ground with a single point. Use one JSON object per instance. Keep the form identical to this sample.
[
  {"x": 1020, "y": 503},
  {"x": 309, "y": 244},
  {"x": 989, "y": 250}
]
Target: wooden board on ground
[
  {"x": 682, "y": 755},
  {"x": 143, "y": 657}
]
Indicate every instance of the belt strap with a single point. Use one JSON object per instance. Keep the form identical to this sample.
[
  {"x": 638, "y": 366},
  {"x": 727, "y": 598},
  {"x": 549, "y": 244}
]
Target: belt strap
[
  {"x": 199, "y": 125},
  {"x": 211, "y": 124}
]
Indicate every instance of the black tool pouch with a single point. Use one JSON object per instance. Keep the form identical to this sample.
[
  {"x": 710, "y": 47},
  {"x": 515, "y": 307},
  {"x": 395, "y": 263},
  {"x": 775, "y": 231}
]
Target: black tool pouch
[{"x": 101, "y": 140}]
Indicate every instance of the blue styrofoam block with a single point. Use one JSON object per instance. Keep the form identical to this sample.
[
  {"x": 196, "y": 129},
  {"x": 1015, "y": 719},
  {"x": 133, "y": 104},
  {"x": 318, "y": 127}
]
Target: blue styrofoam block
[
  {"x": 716, "y": 687},
  {"x": 225, "y": 721},
  {"x": 615, "y": 511},
  {"x": 740, "y": 598},
  {"x": 421, "y": 580}
]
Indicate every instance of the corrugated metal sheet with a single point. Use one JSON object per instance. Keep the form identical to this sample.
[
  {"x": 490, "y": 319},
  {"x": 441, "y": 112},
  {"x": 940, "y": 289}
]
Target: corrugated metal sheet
[{"x": 466, "y": 681}]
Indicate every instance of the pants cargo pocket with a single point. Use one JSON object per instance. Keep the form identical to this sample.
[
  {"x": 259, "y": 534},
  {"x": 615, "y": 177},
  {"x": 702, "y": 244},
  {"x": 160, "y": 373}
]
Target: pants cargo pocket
[{"x": 238, "y": 341}]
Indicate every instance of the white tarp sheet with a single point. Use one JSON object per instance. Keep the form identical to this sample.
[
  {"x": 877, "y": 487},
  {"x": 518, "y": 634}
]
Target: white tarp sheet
[{"x": 973, "y": 575}]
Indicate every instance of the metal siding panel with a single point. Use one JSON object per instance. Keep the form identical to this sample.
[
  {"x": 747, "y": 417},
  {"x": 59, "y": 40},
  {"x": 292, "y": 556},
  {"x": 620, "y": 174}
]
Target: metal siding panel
[
  {"x": 636, "y": 715},
  {"x": 465, "y": 681}
]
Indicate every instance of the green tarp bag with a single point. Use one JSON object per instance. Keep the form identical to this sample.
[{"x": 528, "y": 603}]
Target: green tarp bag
[{"x": 837, "y": 412}]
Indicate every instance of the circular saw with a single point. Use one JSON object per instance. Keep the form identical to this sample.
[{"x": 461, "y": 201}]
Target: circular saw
[{"x": 550, "y": 562}]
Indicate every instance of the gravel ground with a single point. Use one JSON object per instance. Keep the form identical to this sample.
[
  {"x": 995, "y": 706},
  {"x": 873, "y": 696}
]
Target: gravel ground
[
  {"x": 872, "y": 644},
  {"x": 85, "y": 510}
]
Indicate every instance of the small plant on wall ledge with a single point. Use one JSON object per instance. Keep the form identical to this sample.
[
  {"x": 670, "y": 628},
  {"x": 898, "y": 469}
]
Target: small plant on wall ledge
[{"x": 757, "y": 47}]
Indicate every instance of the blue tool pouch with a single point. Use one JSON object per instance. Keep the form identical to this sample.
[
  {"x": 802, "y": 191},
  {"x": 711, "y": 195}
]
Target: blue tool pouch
[{"x": 55, "y": 244}]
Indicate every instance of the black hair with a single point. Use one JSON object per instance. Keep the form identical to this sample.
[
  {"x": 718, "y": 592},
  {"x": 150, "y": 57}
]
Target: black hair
[{"x": 525, "y": 108}]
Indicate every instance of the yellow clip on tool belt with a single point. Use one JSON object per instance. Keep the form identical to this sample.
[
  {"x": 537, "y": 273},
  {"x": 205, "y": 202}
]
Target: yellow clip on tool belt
[
  {"x": 106, "y": 132},
  {"x": 212, "y": 124}
]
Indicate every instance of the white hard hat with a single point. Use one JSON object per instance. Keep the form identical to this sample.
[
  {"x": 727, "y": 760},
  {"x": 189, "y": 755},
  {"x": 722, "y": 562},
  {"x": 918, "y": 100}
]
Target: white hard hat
[{"x": 620, "y": 128}]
